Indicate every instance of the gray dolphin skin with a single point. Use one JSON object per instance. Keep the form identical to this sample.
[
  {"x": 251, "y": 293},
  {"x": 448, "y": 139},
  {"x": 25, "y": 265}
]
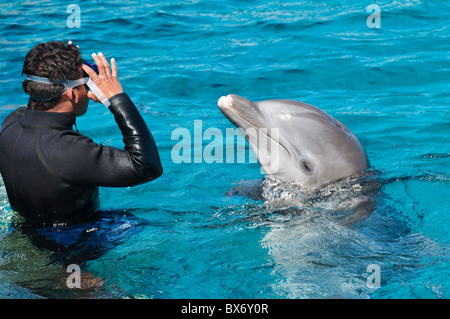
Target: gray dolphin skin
[{"x": 313, "y": 147}]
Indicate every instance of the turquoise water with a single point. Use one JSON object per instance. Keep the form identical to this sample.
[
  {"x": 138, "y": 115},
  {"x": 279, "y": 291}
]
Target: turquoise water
[{"x": 182, "y": 236}]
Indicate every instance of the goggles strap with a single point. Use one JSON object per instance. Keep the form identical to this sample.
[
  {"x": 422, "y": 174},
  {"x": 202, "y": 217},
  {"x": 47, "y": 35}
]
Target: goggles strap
[
  {"x": 94, "y": 88},
  {"x": 69, "y": 85}
]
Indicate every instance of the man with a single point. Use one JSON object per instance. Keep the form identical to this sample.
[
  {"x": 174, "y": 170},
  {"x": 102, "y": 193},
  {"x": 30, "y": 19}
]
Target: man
[{"x": 52, "y": 173}]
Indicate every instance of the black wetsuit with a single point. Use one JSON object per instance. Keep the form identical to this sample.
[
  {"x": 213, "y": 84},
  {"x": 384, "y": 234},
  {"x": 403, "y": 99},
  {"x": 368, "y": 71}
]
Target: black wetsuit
[{"x": 52, "y": 173}]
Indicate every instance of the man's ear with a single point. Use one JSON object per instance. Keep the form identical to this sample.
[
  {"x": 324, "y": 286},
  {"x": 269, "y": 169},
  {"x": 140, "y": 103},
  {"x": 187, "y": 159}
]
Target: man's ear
[{"x": 71, "y": 95}]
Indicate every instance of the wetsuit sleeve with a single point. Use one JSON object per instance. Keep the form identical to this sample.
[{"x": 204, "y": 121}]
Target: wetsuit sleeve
[
  {"x": 95, "y": 164},
  {"x": 139, "y": 143}
]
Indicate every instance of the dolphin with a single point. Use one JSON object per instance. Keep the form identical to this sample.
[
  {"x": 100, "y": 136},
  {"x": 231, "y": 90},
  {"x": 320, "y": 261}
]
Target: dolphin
[{"x": 313, "y": 148}]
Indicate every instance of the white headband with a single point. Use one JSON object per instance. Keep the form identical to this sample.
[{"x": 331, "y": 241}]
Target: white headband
[{"x": 69, "y": 84}]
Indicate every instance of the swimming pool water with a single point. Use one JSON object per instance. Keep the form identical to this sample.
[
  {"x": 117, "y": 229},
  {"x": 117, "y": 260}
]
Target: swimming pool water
[{"x": 182, "y": 236}]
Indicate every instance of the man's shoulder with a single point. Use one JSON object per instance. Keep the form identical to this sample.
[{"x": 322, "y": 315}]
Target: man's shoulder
[
  {"x": 57, "y": 146},
  {"x": 71, "y": 136},
  {"x": 13, "y": 115}
]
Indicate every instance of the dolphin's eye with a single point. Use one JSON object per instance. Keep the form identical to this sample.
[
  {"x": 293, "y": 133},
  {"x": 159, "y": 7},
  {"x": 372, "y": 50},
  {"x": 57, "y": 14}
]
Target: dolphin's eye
[{"x": 307, "y": 167}]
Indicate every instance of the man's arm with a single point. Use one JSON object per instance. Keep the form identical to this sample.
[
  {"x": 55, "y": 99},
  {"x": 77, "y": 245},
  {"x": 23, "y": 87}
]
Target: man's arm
[
  {"x": 100, "y": 165},
  {"x": 89, "y": 163},
  {"x": 139, "y": 142}
]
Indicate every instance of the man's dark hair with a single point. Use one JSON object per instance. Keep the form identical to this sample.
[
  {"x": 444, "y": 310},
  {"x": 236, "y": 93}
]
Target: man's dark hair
[{"x": 53, "y": 60}]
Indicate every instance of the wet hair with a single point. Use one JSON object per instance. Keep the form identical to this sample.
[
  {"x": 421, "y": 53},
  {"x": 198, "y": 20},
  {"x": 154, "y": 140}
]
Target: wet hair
[{"x": 56, "y": 61}]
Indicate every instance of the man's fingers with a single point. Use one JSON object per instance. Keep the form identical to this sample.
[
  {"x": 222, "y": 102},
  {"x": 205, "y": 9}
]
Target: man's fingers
[
  {"x": 113, "y": 68},
  {"x": 71, "y": 43},
  {"x": 90, "y": 72},
  {"x": 105, "y": 65},
  {"x": 107, "y": 80},
  {"x": 92, "y": 96},
  {"x": 100, "y": 66}
]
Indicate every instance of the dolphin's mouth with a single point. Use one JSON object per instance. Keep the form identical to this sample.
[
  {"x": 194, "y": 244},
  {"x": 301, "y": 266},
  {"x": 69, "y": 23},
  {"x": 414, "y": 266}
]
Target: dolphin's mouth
[{"x": 226, "y": 105}]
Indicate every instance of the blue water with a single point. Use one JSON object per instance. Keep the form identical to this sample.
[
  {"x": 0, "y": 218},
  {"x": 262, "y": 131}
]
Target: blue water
[{"x": 182, "y": 236}]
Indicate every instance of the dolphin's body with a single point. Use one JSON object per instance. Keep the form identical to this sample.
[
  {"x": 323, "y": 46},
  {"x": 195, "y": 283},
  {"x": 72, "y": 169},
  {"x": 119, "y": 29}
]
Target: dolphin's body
[{"x": 313, "y": 148}]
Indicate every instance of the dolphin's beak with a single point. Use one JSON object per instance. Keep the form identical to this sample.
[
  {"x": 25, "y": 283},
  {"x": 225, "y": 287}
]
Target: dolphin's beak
[
  {"x": 246, "y": 114},
  {"x": 240, "y": 111},
  {"x": 224, "y": 102},
  {"x": 228, "y": 109}
]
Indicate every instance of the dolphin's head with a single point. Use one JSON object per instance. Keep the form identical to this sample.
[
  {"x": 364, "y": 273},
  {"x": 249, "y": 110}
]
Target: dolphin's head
[{"x": 313, "y": 148}]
